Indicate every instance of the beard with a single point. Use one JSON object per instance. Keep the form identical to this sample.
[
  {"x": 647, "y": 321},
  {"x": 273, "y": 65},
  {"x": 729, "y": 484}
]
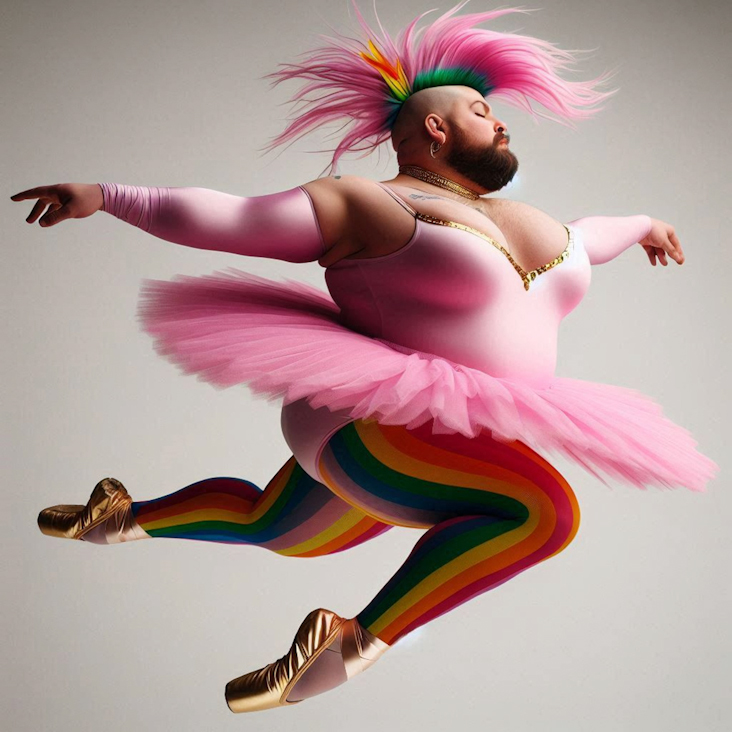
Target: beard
[{"x": 491, "y": 167}]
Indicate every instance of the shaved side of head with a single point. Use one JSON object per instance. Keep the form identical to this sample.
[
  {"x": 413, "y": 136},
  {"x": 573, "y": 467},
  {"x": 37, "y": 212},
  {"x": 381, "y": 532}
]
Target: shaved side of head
[{"x": 409, "y": 125}]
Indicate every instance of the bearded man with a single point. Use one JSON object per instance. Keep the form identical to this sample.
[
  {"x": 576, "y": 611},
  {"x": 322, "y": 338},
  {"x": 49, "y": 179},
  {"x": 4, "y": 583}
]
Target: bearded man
[{"x": 420, "y": 390}]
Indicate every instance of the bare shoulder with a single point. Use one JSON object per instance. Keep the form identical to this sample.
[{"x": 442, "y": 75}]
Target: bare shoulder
[
  {"x": 334, "y": 198},
  {"x": 357, "y": 216},
  {"x": 345, "y": 187},
  {"x": 343, "y": 194}
]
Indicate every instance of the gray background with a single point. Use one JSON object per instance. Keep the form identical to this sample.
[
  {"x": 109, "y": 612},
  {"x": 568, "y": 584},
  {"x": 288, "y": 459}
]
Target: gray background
[{"x": 625, "y": 630}]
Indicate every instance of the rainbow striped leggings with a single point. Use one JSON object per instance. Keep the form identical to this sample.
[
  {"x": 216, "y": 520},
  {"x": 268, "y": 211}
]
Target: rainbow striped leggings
[{"x": 491, "y": 510}]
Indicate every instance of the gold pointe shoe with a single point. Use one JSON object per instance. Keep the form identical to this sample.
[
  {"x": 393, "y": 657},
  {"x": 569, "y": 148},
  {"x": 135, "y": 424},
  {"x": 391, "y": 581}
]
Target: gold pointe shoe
[
  {"x": 328, "y": 650},
  {"x": 106, "y": 519}
]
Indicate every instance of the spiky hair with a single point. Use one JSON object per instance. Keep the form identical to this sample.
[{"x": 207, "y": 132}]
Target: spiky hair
[{"x": 363, "y": 82}]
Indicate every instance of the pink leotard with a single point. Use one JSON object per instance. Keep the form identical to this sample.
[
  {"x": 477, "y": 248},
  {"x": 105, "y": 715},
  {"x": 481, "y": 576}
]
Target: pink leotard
[{"x": 456, "y": 293}]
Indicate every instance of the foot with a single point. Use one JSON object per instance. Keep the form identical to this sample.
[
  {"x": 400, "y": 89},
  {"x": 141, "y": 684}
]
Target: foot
[
  {"x": 327, "y": 651},
  {"x": 106, "y": 519}
]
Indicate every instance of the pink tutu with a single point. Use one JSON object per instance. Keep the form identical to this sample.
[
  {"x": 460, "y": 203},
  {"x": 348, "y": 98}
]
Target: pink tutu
[{"x": 285, "y": 341}]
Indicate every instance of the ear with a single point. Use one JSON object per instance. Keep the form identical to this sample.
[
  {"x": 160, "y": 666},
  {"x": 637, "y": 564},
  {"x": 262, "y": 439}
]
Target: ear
[{"x": 435, "y": 126}]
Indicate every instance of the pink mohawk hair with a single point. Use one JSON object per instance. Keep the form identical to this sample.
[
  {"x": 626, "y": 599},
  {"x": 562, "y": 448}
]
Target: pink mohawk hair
[{"x": 364, "y": 81}]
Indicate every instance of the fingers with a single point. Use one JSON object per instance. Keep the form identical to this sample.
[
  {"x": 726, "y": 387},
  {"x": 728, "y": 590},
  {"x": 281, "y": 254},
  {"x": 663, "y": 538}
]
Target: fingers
[
  {"x": 56, "y": 213},
  {"x": 672, "y": 245},
  {"x": 51, "y": 216},
  {"x": 36, "y": 211},
  {"x": 39, "y": 192},
  {"x": 662, "y": 241},
  {"x": 47, "y": 196},
  {"x": 677, "y": 246}
]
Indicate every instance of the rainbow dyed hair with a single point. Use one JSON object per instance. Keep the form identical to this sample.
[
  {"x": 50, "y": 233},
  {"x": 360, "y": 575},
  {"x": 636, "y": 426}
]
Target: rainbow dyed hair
[{"x": 365, "y": 81}]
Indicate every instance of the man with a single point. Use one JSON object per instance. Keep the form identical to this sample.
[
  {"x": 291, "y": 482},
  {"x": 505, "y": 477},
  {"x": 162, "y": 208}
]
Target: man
[{"x": 415, "y": 397}]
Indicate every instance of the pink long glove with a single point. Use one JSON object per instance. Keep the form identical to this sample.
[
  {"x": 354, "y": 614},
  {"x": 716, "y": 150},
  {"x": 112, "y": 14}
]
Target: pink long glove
[
  {"x": 278, "y": 226},
  {"x": 605, "y": 237}
]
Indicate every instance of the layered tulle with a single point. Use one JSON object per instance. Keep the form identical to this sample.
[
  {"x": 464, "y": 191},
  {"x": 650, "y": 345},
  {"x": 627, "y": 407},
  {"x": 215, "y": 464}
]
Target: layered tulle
[{"x": 284, "y": 340}]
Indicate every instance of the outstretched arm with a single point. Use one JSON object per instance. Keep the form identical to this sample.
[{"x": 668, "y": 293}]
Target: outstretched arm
[
  {"x": 279, "y": 226},
  {"x": 606, "y": 237},
  {"x": 327, "y": 219}
]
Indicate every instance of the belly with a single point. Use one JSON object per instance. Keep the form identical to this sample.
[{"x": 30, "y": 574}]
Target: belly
[{"x": 454, "y": 295}]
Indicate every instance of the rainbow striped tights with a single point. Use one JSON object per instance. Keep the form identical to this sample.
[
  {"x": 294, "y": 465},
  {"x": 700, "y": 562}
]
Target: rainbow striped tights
[{"x": 491, "y": 510}]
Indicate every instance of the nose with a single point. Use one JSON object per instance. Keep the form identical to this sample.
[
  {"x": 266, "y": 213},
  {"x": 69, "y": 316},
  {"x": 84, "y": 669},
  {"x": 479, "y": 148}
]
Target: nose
[{"x": 500, "y": 129}]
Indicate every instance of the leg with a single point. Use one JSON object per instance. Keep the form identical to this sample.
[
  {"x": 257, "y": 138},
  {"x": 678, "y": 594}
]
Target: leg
[
  {"x": 491, "y": 509},
  {"x": 295, "y": 515},
  {"x": 495, "y": 509}
]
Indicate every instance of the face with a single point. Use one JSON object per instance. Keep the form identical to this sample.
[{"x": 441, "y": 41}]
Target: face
[{"x": 477, "y": 149}]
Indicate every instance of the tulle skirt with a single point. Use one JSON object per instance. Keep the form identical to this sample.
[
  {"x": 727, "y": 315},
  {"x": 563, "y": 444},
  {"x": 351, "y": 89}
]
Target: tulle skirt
[{"x": 284, "y": 340}]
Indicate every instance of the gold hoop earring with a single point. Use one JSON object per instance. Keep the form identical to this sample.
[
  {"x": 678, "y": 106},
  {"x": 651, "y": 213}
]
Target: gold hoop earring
[{"x": 434, "y": 147}]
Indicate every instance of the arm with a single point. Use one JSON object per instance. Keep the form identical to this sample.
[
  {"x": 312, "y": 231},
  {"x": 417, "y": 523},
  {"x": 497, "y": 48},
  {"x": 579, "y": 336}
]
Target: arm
[
  {"x": 606, "y": 237},
  {"x": 279, "y": 226},
  {"x": 327, "y": 219}
]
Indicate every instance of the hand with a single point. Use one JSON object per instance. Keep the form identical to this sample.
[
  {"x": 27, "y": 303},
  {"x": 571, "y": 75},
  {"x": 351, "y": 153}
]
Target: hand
[
  {"x": 660, "y": 241},
  {"x": 64, "y": 201}
]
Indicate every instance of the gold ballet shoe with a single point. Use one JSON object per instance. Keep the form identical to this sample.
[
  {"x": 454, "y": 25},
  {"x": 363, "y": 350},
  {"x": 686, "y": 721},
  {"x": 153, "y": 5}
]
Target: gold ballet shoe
[
  {"x": 328, "y": 650},
  {"x": 106, "y": 519}
]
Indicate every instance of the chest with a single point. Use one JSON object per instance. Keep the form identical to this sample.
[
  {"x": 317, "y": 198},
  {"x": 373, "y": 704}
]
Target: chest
[
  {"x": 530, "y": 236},
  {"x": 449, "y": 271}
]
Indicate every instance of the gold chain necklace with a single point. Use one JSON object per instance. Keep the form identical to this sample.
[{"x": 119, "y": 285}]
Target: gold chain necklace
[{"x": 438, "y": 180}]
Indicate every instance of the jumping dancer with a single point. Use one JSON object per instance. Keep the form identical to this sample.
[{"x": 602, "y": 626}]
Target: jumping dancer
[{"x": 421, "y": 391}]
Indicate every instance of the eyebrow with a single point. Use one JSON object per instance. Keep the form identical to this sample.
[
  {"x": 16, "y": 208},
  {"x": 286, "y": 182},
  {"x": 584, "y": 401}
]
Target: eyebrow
[{"x": 480, "y": 101}]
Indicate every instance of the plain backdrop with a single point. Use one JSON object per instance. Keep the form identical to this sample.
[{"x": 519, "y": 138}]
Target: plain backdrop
[{"x": 627, "y": 630}]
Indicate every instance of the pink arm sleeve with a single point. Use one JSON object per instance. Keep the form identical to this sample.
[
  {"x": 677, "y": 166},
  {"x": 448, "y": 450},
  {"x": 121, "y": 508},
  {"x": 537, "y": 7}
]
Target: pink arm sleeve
[
  {"x": 279, "y": 226},
  {"x": 605, "y": 237}
]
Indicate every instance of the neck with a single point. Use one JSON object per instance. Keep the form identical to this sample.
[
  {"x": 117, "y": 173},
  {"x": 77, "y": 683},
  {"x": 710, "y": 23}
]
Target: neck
[{"x": 444, "y": 180}]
